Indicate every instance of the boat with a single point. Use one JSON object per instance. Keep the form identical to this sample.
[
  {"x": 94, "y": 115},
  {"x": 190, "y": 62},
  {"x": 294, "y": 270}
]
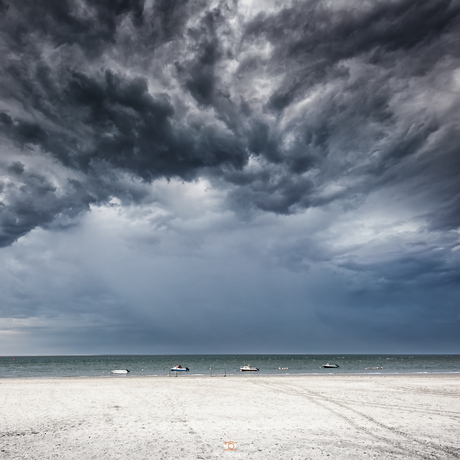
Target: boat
[
  {"x": 120, "y": 371},
  {"x": 179, "y": 368},
  {"x": 248, "y": 368},
  {"x": 331, "y": 366}
]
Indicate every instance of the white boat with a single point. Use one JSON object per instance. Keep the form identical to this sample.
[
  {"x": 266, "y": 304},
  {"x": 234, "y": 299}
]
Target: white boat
[
  {"x": 248, "y": 368},
  {"x": 120, "y": 371},
  {"x": 179, "y": 368},
  {"x": 330, "y": 366}
]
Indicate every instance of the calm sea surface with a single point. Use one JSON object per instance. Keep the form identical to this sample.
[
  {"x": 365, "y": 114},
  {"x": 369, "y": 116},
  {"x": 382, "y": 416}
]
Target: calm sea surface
[{"x": 157, "y": 365}]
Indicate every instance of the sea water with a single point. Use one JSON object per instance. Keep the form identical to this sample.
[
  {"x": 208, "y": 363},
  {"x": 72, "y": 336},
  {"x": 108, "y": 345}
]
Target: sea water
[{"x": 220, "y": 365}]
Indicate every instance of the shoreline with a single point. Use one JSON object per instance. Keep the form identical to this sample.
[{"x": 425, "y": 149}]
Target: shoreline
[{"x": 238, "y": 375}]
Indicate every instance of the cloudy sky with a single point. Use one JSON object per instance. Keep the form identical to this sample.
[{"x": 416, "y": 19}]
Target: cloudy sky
[{"x": 229, "y": 176}]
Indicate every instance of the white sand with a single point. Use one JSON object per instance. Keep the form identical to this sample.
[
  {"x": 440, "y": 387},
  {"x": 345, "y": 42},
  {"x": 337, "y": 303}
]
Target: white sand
[{"x": 343, "y": 417}]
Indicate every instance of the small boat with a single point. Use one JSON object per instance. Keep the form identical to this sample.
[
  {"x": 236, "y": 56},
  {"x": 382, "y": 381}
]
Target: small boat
[
  {"x": 120, "y": 371},
  {"x": 248, "y": 368},
  {"x": 179, "y": 368},
  {"x": 331, "y": 366}
]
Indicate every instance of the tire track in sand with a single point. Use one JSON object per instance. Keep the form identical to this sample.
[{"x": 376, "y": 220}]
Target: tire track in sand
[{"x": 337, "y": 409}]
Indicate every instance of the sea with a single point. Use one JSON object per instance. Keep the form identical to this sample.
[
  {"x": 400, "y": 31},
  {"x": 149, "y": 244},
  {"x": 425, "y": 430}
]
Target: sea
[{"x": 223, "y": 365}]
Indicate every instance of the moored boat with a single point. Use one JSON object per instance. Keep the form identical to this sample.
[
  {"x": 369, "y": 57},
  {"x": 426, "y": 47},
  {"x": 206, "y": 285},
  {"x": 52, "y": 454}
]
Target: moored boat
[
  {"x": 120, "y": 371},
  {"x": 179, "y": 368},
  {"x": 248, "y": 368},
  {"x": 330, "y": 366}
]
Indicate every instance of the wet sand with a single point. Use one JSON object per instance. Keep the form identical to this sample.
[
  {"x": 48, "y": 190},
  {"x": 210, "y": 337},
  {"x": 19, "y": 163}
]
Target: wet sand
[{"x": 289, "y": 417}]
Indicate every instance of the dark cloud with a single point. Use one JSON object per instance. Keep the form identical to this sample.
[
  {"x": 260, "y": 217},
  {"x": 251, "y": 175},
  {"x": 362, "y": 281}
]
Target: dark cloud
[
  {"x": 269, "y": 192},
  {"x": 3, "y": 7},
  {"x": 32, "y": 200},
  {"x": 90, "y": 26},
  {"x": 199, "y": 73},
  {"x": 16, "y": 167},
  {"x": 298, "y": 107},
  {"x": 312, "y": 38}
]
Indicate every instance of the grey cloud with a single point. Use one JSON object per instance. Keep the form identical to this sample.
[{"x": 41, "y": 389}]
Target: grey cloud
[
  {"x": 423, "y": 259},
  {"x": 32, "y": 200},
  {"x": 171, "y": 90},
  {"x": 429, "y": 269},
  {"x": 447, "y": 215}
]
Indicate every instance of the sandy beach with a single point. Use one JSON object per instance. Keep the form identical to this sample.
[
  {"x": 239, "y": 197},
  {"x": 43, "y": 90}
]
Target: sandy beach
[{"x": 289, "y": 417}]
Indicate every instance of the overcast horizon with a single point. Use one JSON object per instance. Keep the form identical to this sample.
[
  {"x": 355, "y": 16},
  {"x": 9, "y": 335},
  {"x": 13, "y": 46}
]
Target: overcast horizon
[{"x": 229, "y": 177}]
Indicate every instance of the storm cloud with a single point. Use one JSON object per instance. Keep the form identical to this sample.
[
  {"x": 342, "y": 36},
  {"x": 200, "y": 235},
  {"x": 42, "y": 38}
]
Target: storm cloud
[{"x": 344, "y": 110}]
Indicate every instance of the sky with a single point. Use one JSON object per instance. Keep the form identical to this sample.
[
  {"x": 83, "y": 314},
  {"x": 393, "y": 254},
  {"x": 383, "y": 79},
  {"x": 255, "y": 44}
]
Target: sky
[{"x": 229, "y": 176}]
